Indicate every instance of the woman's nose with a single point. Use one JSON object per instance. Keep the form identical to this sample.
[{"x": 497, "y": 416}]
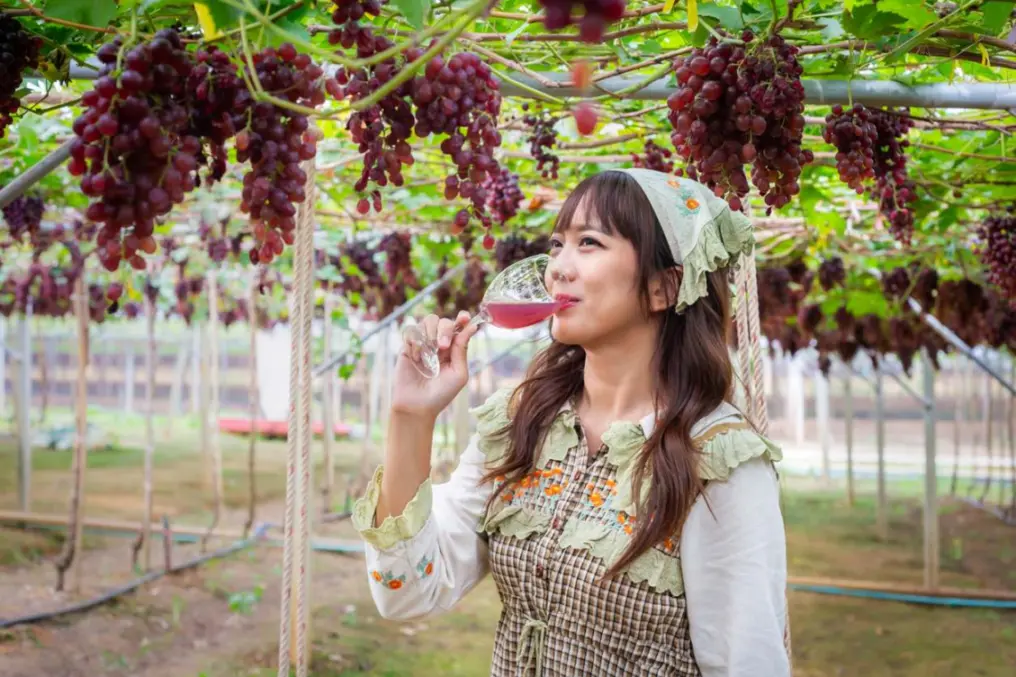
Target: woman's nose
[{"x": 558, "y": 270}]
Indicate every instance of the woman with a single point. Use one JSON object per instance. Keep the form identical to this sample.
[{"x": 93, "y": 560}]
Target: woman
[{"x": 628, "y": 513}]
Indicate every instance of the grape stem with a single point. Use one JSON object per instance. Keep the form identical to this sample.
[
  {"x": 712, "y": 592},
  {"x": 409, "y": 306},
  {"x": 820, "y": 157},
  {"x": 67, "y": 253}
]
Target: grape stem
[{"x": 658, "y": 74}]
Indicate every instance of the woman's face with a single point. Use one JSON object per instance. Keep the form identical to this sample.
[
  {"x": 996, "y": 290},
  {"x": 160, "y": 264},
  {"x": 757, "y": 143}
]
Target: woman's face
[{"x": 599, "y": 273}]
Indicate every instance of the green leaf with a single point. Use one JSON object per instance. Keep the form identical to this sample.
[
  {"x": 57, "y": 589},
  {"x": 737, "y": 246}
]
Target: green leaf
[
  {"x": 224, "y": 16},
  {"x": 869, "y": 23},
  {"x": 728, "y": 17},
  {"x": 89, "y": 12},
  {"x": 414, "y": 11},
  {"x": 916, "y": 15},
  {"x": 995, "y": 16},
  {"x": 864, "y": 302},
  {"x": 831, "y": 28}
]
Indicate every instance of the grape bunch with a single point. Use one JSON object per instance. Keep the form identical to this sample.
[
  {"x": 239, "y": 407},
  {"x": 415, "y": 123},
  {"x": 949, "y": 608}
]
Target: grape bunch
[
  {"x": 23, "y": 215},
  {"x": 905, "y": 339},
  {"x": 383, "y": 129},
  {"x": 542, "y": 138},
  {"x": 461, "y": 98},
  {"x": 741, "y": 105},
  {"x": 597, "y": 15},
  {"x": 474, "y": 282},
  {"x": 832, "y": 273},
  {"x": 277, "y": 140},
  {"x": 996, "y": 247},
  {"x": 925, "y": 286},
  {"x": 515, "y": 247},
  {"x": 504, "y": 196},
  {"x": 215, "y": 239},
  {"x": 221, "y": 102},
  {"x": 961, "y": 306},
  {"x": 809, "y": 318},
  {"x": 896, "y": 283},
  {"x": 133, "y": 148},
  {"x": 855, "y": 137},
  {"x": 19, "y": 51},
  {"x": 893, "y": 189},
  {"x": 654, "y": 157}
]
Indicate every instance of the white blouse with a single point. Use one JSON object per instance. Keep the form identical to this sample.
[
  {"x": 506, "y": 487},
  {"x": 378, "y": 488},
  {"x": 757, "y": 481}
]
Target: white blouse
[{"x": 733, "y": 561}]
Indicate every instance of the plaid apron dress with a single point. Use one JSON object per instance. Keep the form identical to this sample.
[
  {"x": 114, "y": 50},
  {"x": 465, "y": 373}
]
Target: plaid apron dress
[{"x": 558, "y": 618}]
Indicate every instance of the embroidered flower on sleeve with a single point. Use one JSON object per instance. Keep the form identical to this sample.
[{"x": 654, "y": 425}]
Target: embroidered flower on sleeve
[
  {"x": 426, "y": 567},
  {"x": 388, "y": 579}
]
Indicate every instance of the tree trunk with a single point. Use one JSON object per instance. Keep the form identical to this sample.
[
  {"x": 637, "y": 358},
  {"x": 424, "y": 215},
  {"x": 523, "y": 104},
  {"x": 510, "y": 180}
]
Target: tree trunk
[
  {"x": 254, "y": 407},
  {"x": 212, "y": 426},
  {"x": 145, "y": 537}
]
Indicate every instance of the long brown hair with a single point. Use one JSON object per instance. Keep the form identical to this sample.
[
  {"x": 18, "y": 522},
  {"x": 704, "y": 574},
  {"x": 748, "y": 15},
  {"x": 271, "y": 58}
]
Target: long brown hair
[{"x": 692, "y": 369}]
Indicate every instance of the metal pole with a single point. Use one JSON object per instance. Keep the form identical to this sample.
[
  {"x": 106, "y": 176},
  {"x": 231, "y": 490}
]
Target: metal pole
[
  {"x": 391, "y": 319},
  {"x": 35, "y": 173},
  {"x": 986, "y": 95},
  {"x": 992, "y": 96},
  {"x": 931, "y": 556},
  {"x": 881, "y": 510},
  {"x": 848, "y": 414},
  {"x": 24, "y": 413},
  {"x": 960, "y": 345},
  {"x": 910, "y": 389}
]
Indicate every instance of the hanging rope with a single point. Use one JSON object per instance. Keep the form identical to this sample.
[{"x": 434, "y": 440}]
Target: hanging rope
[
  {"x": 743, "y": 339},
  {"x": 749, "y": 349},
  {"x": 298, "y": 440}
]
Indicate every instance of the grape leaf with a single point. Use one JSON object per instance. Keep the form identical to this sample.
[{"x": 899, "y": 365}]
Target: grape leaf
[
  {"x": 728, "y": 17},
  {"x": 995, "y": 16},
  {"x": 916, "y": 15},
  {"x": 831, "y": 28},
  {"x": 89, "y": 12},
  {"x": 869, "y": 23},
  {"x": 863, "y": 302},
  {"x": 414, "y": 10}
]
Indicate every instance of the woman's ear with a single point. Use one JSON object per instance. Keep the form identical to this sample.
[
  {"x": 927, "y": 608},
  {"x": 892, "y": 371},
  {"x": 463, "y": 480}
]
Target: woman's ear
[{"x": 663, "y": 289}]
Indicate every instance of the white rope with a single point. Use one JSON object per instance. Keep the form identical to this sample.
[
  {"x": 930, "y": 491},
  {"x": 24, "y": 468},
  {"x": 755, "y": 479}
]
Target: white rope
[
  {"x": 759, "y": 409},
  {"x": 743, "y": 339},
  {"x": 305, "y": 290},
  {"x": 298, "y": 440}
]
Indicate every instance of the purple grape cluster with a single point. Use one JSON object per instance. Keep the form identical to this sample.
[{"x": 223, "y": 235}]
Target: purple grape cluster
[
  {"x": 832, "y": 273},
  {"x": 542, "y": 138},
  {"x": 996, "y": 248},
  {"x": 19, "y": 51},
  {"x": 596, "y": 16},
  {"x": 23, "y": 215},
  {"x": 741, "y": 105},
  {"x": 654, "y": 157}
]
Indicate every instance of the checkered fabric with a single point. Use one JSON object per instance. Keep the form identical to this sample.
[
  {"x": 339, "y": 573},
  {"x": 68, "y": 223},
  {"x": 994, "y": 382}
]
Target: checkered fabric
[{"x": 557, "y": 614}]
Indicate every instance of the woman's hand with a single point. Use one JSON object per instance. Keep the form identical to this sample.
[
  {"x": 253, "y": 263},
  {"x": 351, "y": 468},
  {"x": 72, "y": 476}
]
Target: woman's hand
[{"x": 416, "y": 395}]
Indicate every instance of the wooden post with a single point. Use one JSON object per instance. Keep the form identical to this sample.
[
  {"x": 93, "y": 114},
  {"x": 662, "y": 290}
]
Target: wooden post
[
  {"x": 253, "y": 407},
  {"x": 3, "y": 367},
  {"x": 202, "y": 396},
  {"x": 128, "y": 379},
  {"x": 197, "y": 360},
  {"x": 848, "y": 398},
  {"x": 881, "y": 509},
  {"x": 211, "y": 427},
  {"x": 70, "y": 557},
  {"x": 24, "y": 400},
  {"x": 960, "y": 391},
  {"x": 931, "y": 548},
  {"x": 822, "y": 420},
  {"x": 328, "y": 411},
  {"x": 150, "y": 365}
]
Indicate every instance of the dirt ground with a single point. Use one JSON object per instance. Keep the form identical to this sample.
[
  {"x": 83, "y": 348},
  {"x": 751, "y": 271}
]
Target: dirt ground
[{"x": 222, "y": 619}]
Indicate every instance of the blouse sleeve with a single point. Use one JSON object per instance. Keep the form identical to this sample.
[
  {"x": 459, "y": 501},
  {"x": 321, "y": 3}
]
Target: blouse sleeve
[
  {"x": 733, "y": 558},
  {"x": 426, "y": 559}
]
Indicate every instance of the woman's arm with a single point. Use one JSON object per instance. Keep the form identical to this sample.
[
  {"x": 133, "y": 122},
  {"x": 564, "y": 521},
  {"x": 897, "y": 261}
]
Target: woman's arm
[
  {"x": 427, "y": 554},
  {"x": 733, "y": 557}
]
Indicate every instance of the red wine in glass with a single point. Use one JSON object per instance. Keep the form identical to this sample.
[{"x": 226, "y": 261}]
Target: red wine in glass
[
  {"x": 520, "y": 314},
  {"x": 516, "y": 298}
]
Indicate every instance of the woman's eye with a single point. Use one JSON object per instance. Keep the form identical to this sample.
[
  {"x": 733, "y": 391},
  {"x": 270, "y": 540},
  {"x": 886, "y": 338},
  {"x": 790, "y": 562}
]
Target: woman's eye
[
  {"x": 589, "y": 241},
  {"x": 554, "y": 243}
]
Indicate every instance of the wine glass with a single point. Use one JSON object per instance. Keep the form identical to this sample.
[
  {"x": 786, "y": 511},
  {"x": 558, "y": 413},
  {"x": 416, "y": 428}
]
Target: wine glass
[{"x": 515, "y": 299}]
